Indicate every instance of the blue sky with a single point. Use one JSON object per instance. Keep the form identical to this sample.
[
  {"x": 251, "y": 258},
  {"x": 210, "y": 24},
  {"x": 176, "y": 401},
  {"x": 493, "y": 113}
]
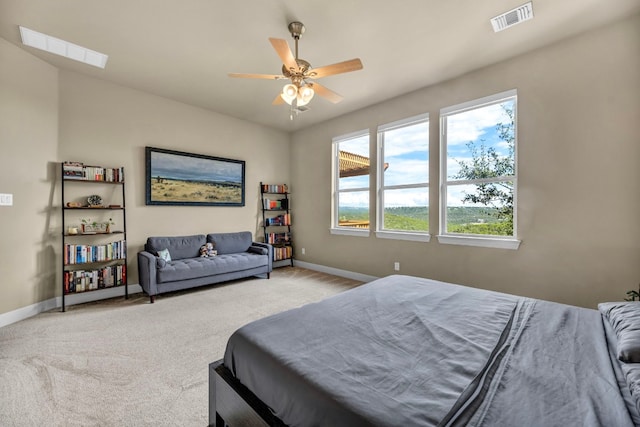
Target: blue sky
[
  {"x": 406, "y": 151},
  {"x": 194, "y": 168}
]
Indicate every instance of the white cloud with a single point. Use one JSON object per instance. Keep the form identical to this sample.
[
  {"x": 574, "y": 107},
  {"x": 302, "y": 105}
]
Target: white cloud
[
  {"x": 358, "y": 145},
  {"x": 406, "y": 140},
  {"x": 409, "y": 197},
  {"x": 406, "y": 172},
  {"x": 471, "y": 125},
  {"x": 355, "y": 199}
]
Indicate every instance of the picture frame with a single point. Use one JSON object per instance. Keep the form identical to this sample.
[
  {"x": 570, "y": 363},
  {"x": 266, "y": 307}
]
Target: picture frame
[{"x": 186, "y": 179}]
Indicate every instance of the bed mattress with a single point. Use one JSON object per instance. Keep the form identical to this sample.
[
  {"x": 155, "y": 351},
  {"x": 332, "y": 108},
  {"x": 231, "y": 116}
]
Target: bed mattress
[{"x": 416, "y": 352}]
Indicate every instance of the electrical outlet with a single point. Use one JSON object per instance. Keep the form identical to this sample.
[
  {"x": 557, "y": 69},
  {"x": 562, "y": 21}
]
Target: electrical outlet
[
  {"x": 303, "y": 251},
  {"x": 6, "y": 199},
  {"x": 396, "y": 266}
]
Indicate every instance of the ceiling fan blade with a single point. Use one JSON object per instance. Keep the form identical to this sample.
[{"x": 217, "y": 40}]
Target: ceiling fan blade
[
  {"x": 340, "y": 67},
  {"x": 257, "y": 76},
  {"x": 285, "y": 54},
  {"x": 326, "y": 93},
  {"x": 278, "y": 101}
]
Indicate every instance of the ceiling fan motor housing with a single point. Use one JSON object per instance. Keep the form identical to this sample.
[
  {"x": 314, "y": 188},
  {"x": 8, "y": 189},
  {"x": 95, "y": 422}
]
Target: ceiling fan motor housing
[
  {"x": 296, "y": 29},
  {"x": 297, "y": 76}
]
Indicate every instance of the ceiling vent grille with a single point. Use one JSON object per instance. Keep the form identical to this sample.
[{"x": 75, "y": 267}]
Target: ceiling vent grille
[{"x": 513, "y": 17}]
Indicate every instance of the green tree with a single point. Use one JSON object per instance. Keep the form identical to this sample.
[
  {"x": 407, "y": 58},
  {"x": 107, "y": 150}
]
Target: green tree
[{"x": 486, "y": 162}]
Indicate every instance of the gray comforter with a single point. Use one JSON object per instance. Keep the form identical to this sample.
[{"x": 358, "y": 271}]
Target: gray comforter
[{"x": 405, "y": 351}]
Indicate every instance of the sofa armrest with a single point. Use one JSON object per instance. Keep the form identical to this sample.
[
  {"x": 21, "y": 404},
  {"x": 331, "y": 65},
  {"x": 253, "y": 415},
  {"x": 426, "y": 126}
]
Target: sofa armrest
[
  {"x": 269, "y": 253},
  {"x": 147, "y": 272}
]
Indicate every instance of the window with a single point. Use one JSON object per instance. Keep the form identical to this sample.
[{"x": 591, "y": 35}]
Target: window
[
  {"x": 478, "y": 172},
  {"x": 403, "y": 179},
  {"x": 351, "y": 184}
]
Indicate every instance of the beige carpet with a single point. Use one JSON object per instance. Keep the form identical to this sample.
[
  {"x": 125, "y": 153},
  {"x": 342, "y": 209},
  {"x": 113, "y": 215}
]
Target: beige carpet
[{"x": 130, "y": 363}]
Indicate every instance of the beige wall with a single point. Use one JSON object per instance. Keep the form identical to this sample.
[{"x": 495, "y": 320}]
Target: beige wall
[
  {"x": 579, "y": 103},
  {"x": 28, "y": 150},
  {"x": 47, "y": 116},
  {"x": 578, "y": 198}
]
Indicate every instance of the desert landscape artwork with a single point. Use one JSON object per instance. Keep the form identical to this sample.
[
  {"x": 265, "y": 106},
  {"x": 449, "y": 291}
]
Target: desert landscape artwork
[{"x": 177, "y": 178}]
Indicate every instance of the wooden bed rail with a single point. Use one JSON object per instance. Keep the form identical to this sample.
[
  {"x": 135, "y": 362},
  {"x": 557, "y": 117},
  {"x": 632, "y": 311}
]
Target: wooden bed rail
[{"x": 232, "y": 404}]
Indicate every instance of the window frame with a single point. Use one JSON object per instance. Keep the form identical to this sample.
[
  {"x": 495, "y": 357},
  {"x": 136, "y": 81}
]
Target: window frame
[
  {"x": 381, "y": 232},
  {"x": 335, "y": 186},
  {"x": 491, "y": 241}
]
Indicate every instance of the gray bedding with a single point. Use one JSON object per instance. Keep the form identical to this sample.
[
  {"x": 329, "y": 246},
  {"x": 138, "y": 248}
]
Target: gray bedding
[{"x": 406, "y": 351}]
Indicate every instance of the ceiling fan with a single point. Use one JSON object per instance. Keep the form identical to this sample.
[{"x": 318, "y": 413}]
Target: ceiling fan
[{"x": 302, "y": 87}]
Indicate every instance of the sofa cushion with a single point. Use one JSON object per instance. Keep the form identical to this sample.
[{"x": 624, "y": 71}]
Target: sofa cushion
[
  {"x": 192, "y": 268},
  {"x": 180, "y": 247},
  {"x": 258, "y": 250},
  {"x": 230, "y": 243}
]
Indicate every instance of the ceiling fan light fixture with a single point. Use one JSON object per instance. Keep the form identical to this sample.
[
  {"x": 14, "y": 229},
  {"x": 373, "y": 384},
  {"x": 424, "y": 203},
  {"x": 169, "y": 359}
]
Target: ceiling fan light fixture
[
  {"x": 289, "y": 93},
  {"x": 305, "y": 94}
]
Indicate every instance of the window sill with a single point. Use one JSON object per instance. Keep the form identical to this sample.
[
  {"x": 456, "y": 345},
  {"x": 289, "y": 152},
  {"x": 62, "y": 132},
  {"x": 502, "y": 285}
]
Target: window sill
[
  {"x": 358, "y": 232},
  {"x": 486, "y": 242},
  {"x": 404, "y": 235}
]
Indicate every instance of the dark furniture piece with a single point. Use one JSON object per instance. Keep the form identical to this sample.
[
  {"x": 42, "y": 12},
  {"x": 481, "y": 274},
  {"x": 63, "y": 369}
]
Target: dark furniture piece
[
  {"x": 92, "y": 259},
  {"x": 237, "y": 257},
  {"x": 415, "y": 352},
  {"x": 276, "y": 221}
]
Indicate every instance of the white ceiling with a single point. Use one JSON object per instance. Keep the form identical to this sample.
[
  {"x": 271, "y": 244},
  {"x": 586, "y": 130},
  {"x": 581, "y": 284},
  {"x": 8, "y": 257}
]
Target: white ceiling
[{"x": 183, "y": 49}]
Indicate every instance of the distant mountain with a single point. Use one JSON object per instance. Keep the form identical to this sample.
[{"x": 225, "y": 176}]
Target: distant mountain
[{"x": 455, "y": 214}]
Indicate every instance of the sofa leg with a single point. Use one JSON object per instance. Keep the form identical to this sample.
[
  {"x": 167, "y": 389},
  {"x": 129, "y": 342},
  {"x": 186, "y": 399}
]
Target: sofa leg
[
  {"x": 268, "y": 275},
  {"x": 152, "y": 298}
]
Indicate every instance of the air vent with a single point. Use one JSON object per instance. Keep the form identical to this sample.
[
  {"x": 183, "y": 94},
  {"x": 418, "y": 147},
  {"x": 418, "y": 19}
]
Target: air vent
[{"x": 513, "y": 17}]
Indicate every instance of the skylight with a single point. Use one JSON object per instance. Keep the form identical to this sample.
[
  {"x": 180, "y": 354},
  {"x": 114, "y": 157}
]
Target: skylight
[{"x": 62, "y": 48}]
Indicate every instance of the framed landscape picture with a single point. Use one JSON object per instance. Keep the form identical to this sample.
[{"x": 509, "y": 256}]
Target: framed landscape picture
[{"x": 185, "y": 179}]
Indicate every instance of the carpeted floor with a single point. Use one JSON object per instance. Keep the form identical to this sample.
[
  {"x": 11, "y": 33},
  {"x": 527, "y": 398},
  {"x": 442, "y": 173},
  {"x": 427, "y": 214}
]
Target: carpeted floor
[{"x": 130, "y": 363}]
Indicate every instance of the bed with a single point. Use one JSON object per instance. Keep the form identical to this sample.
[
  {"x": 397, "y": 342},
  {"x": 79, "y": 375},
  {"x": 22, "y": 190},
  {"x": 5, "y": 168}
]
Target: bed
[{"x": 408, "y": 351}]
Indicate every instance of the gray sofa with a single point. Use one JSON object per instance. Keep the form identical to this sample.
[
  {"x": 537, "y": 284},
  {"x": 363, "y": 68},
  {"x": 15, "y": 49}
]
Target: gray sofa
[{"x": 238, "y": 257}]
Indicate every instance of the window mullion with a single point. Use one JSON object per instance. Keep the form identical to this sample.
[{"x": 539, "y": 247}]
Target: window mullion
[
  {"x": 406, "y": 186},
  {"x": 505, "y": 178}
]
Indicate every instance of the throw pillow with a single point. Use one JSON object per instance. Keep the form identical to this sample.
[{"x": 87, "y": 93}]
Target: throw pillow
[
  {"x": 165, "y": 255},
  {"x": 624, "y": 318}
]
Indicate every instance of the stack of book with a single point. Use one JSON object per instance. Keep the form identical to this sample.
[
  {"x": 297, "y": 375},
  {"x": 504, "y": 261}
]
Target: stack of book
[
  {"x": 73, "y": 170},
  {"x": 89, "y": 280},
  {"x": 284, "y": 219},
  {"x": 284, "y": 252},
  {"x": 279, "y": 238},
  {"x": 77, "y": 170},
  {"x": 274, "y": 188},
  {"x": 280, "y": 204},
  {"x": 79, "y": 254}
]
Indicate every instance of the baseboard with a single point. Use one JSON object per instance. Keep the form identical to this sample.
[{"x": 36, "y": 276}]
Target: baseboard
[
  {"x": 83, "y": 297},
  {"x": 335, "y": 271},
  {"x": 33, "y": 309}
]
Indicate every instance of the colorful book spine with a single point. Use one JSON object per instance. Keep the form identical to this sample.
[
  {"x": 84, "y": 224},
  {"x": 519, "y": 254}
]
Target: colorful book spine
[
  {"x": 275, "y": 188},
  {"x": 79, "y": 254},
  {"x": 77, "y": 170},
  {"x": 284, "y": 252},
  {"x": 89, "y": 280}
]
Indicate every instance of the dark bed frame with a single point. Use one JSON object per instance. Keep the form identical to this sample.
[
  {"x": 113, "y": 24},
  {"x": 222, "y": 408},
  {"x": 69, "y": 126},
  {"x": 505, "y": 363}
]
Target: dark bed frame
[{"x": 233, "y": 404}]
